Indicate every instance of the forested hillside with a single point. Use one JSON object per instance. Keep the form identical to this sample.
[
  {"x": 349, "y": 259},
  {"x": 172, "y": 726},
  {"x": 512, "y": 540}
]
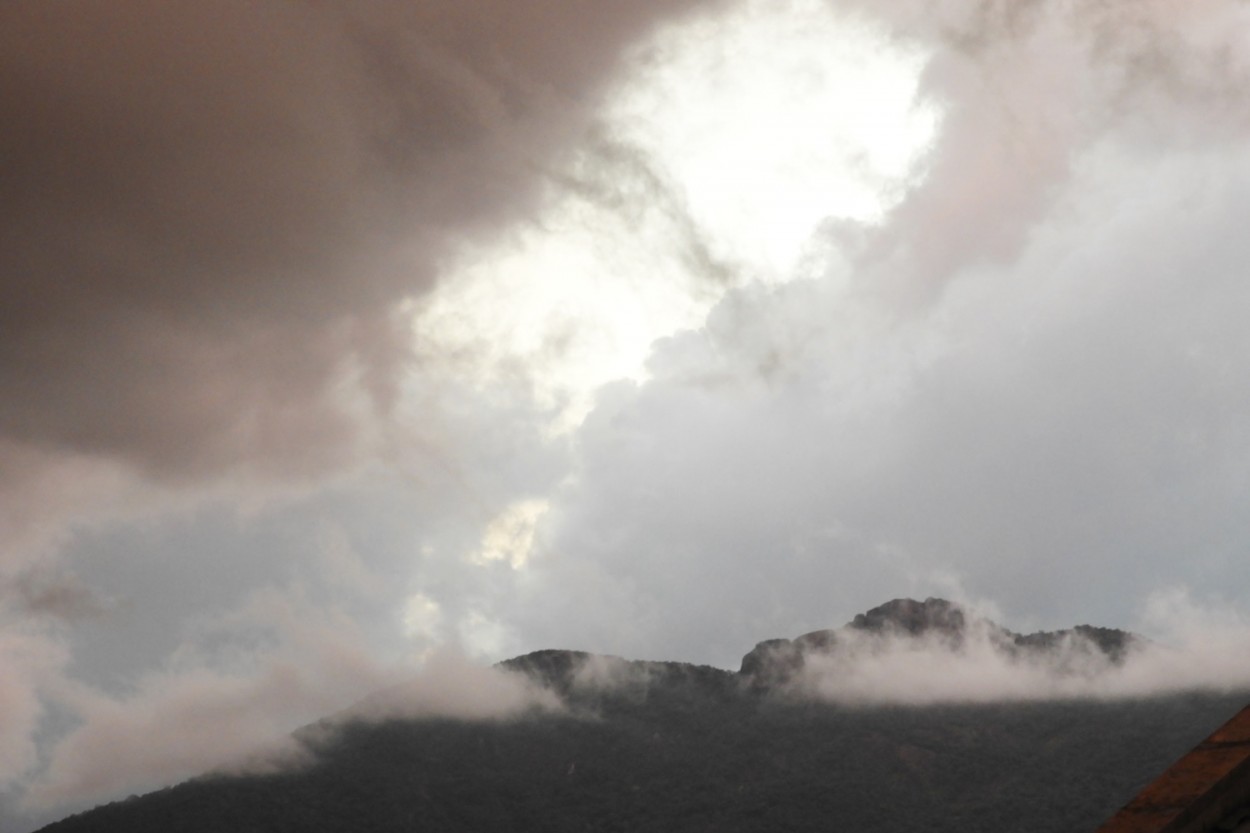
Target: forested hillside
[
  {"x": 678, "y": 747},
  {"x": 693, "y": 754}
]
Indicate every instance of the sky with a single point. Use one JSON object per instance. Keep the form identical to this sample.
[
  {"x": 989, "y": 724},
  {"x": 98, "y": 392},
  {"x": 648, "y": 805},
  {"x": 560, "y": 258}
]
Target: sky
[{"x": 340, "y": 339}]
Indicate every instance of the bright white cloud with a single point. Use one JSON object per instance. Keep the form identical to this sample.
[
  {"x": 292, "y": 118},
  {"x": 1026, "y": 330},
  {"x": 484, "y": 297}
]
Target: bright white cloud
[
  {"x": 1029, "y": 385},
  {"x": 729, "y": 141},
  {"x": 510, "y": 536},
  {"x": 422, "y": 617},
  {"x": 775, "y": 117}
]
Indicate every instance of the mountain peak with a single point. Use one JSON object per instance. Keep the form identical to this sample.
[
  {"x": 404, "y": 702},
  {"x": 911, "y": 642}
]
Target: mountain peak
[
  {"x": 913, "y": 617},
  {"x": 936, "y": 623},
  {"x": 899, "y": 632}
]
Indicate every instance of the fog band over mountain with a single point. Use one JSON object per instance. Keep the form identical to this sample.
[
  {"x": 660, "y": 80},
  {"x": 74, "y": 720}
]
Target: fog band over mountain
[{"x": 924, "y": 653}]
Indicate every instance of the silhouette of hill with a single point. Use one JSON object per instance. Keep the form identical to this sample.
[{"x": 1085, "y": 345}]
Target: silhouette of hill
[{"x": 679, "y": 747}]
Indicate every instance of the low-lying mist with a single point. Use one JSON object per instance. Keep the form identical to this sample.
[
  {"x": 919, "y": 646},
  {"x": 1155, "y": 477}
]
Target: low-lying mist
[{"x": 974, "y": 660}]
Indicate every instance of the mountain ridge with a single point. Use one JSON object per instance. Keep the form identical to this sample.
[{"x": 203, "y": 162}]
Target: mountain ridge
[
  {"x": 683, "y": 747},
  {"x": 775, "y": 663}
]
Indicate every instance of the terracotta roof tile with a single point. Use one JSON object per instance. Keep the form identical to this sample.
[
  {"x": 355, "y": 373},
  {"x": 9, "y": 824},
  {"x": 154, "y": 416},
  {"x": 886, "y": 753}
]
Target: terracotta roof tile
[{"x": 1197, "y": 792}]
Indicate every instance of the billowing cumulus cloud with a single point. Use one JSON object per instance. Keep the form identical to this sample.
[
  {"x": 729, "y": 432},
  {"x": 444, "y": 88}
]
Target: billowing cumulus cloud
[{"x": 1021, "y": 382}]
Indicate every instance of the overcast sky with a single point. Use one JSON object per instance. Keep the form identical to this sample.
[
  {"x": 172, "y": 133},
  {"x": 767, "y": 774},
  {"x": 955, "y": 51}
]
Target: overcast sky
[{"x": 335, "y": 334}]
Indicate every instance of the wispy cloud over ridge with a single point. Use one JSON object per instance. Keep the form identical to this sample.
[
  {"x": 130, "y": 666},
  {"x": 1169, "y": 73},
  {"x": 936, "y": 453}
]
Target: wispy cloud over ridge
[{"x": 923, "y": 653}]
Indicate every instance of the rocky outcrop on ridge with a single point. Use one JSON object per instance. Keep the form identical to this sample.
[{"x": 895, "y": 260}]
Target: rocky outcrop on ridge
[
  {"x": 938, "y": 624},
  {"x": 776, "y": 662}
]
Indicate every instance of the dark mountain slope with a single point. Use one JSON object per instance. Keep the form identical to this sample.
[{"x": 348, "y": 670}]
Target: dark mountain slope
[{"x": 675, "y": 747}]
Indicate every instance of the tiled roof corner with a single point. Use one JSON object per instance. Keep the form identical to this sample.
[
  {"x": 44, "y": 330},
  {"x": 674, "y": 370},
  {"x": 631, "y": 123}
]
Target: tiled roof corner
[{"x": 1200, "y": 793}]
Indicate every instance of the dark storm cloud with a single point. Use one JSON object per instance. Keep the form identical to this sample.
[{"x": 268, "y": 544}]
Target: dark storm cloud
[{"x": 209, "y": 211}]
